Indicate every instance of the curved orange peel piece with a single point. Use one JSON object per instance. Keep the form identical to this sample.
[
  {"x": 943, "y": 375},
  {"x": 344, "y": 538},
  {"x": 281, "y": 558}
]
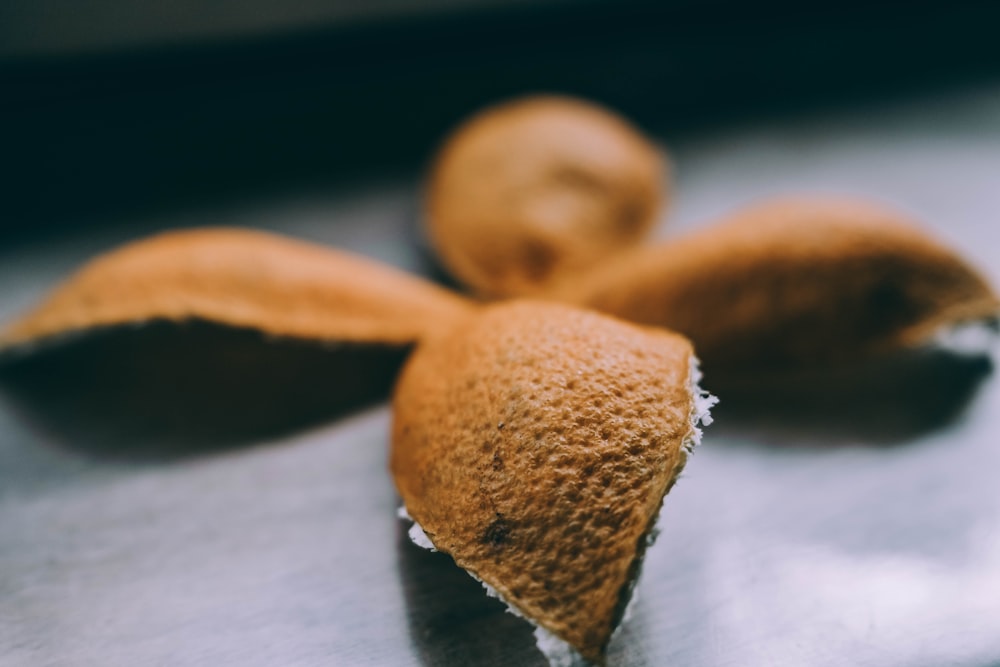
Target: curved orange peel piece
[
  {"x": 793, "y": 282},
  {"x": 243, "y": 278},
  {"x": 534, "y": 444}
]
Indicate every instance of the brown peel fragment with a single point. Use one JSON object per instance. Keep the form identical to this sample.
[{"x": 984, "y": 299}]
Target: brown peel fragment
[
  {"x": 244, "y": 279},
  {"x": 793, "y": 283},
  {"x": 537, "y": 187},
  {"x": 535, "y": 444}
]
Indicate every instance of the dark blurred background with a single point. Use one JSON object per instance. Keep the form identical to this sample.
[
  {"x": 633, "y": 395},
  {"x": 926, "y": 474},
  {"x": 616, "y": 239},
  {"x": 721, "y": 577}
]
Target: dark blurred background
[{"x": 115, "y": 108}]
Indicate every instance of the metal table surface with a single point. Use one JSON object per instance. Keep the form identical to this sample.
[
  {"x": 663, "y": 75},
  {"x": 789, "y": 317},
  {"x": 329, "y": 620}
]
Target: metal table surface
[{"x": 855, "y": 526}]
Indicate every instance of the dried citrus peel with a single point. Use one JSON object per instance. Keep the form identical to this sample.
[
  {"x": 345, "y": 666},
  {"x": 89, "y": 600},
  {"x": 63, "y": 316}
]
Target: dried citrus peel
[
  {"x": 793, "y": 283},
  {"x": 504, "y": 462},
  {"x": 245, "y": 279},
  {"x": 537, "y": 187},
  {"x": 559, "y": 652}
]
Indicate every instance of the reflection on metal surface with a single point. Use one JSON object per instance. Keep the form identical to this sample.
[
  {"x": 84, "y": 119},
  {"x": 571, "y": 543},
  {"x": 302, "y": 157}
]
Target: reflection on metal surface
[{"x": 815, "y": 605}]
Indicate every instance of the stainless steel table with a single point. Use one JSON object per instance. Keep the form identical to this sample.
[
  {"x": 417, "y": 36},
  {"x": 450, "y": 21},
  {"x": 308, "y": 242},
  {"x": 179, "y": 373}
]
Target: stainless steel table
[{"x": 806, "y": 531}]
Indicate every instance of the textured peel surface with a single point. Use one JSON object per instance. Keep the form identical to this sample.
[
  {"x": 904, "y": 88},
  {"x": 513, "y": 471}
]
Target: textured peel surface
[
  {"x": 534, "y": 444},
  {"x": 540, "y": 186},
  {"x": 246, "y": 279},
  {"x": 793, "y": 282}
]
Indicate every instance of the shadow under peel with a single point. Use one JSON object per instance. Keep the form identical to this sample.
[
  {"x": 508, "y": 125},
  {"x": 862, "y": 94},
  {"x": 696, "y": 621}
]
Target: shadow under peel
[
  {"x": 883, "y": 402},
  {"x": 451, "y": 619},
  {"x": 166, "y": 390}
]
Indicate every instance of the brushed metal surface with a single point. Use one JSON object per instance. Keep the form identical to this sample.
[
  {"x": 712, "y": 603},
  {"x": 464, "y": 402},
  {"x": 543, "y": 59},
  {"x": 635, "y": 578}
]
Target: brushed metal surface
[{"x": 820, "y": 526}]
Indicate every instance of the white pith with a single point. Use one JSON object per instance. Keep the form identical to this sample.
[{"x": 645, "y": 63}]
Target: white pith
[{"x": 970, "y": 339}]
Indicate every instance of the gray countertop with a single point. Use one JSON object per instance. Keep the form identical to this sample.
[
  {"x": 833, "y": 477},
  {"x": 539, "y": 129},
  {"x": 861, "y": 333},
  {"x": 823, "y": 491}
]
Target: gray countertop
[{"x": 844, "y": 528}]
